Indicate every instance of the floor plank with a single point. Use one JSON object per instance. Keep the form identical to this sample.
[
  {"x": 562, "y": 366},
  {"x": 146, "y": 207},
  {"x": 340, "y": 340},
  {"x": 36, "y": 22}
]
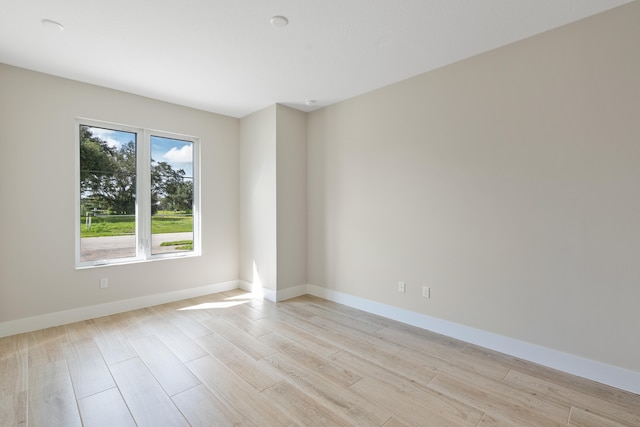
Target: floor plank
[
  {"x": 13, "y": 380},
  {"x": 584, "y": 418},
  {"x": 147, "y": 401},
  {"x": 189, "y": 321},
  {"x": 352, "y": 407},
  {"x": 439, "y": 352},
  {"x": 203, "y": 409},
  {"x": 417, "y": 408},
  {"x": 231, "y": 389},
  {"x": 237, "y": 361},
  {"x": 113, "y": 346},
  {"x": 299, "y": 335},
  {"x": 303, "y": 409},
  {"x": 314, "y": 362},
  {"x": 177, "y": 341},
  {"x": 51, "y": 400},
  {"x": 598, "y": 390},
  {"x": 615, "y": 412},
  {"x": 245, "y": 342},
  {"x": 105, "y": 409},
  {"x": 490, "y": 396},
  {"x": 403, "y": 393},
  {"x": 89, "y": 372},
  {"x": 394, "y": 422},
  {"x": 167, "y": 369}
]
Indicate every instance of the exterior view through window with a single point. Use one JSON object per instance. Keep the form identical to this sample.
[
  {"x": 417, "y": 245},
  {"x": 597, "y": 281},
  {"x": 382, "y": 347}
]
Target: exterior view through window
[
  {"x": 136, "y": 194},
  {"x": 171, "y": 195}
]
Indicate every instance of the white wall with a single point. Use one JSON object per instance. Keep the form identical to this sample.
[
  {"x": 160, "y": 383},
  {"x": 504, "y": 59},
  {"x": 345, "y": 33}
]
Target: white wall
[
  {"x": 37, "y": 189},
  {"x": 508, "y": 183}
]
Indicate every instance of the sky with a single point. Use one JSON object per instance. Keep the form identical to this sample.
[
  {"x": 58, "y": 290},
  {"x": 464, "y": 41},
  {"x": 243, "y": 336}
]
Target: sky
[{"x": 178, "y": 153}]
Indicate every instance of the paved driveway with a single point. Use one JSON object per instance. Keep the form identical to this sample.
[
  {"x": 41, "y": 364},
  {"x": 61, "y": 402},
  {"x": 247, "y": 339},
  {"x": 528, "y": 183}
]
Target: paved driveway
[{"x": 107, "y": 247}]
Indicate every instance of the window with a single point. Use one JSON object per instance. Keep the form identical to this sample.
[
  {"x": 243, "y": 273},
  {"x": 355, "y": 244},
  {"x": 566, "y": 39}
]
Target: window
[{"x": 137, "y": 194}]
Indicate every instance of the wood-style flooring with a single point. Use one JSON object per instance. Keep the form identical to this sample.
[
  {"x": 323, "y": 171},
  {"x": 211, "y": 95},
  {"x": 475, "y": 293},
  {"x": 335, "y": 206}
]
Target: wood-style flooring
[{"x": 227, "y": 359}]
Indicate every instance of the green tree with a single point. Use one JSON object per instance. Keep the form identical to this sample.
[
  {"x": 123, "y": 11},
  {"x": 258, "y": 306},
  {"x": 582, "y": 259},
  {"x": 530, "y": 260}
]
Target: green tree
[
  {"x": 107, "y": 175},
  {"x": 119, "y": 189},
  {"x": 180, "y": 196},
  {"x": 108, "y": 179},
  {"x": 165, "y": 182},
  {"x": 96, "y": 159}
]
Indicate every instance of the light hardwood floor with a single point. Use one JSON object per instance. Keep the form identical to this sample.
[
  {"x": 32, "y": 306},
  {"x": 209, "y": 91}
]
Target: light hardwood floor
[{"x": 227, "y": 359}]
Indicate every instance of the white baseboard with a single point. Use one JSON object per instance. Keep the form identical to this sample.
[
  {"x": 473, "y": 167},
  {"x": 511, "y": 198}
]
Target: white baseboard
[
  {"x": 274, "y": 296},
  {"x": 611, "y": 375},
  {"x": 257, "y": 291},
  {"x": 48, "y": 320},
  {"x": 245, "y": 286},
  {"x": 293, "y": 292}
]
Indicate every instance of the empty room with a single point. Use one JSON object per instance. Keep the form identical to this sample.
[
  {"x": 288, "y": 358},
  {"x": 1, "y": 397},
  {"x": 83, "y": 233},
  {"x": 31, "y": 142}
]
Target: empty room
[{"x": 297, "y": 213}]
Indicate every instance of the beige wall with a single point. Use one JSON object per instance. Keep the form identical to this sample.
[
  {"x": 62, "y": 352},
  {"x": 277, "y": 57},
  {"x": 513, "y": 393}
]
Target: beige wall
[
  {"x": 258, "y": 249},
  {"x": 291, "y": 174},
  {"x": 509, "y": 183},
  {"x": 273, "y": 198},
  {"x": 37, "y": 188}
]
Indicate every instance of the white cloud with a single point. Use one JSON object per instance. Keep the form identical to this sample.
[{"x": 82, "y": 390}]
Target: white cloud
[
  {"x": 107, "y": 135},
  {"x": 179, "y": 155}
]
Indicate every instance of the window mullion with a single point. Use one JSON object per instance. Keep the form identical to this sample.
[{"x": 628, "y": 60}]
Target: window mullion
[{"x": 143, "y": 199}]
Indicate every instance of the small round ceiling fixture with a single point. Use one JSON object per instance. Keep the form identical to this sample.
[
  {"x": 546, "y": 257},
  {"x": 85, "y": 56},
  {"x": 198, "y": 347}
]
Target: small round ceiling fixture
[
  {"x": 310, "y": 102},
  {"x": 53, "y": 25},
  {"x": 279, "y": 21}
]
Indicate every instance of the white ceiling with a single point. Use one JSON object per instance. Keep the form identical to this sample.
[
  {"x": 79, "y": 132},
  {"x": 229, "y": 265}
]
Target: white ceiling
[{"x": 224, "y": 56}]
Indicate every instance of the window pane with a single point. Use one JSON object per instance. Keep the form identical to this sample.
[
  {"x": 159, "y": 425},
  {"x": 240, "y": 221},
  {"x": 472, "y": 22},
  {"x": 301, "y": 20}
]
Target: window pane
[
  {"x": 171, "y": 195},
  {"x": 107, "y": 194}
]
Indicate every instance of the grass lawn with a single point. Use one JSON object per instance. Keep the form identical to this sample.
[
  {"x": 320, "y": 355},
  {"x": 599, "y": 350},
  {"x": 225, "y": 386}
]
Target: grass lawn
[
  {"x": 181, "y": 245},
  {"x": 124, "y": 225}
]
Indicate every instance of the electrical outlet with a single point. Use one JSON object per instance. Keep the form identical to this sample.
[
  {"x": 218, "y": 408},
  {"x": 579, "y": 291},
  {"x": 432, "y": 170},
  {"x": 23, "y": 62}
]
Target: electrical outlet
[
  {"x": 104, "y": 283},
  {"x": 426, "y": 292},
  {"x": 402, "y": 287}
]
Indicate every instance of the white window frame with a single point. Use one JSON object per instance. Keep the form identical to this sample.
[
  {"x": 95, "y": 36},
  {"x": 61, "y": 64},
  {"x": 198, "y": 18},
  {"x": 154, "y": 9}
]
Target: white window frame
[{"x": 143, "y": 194}]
